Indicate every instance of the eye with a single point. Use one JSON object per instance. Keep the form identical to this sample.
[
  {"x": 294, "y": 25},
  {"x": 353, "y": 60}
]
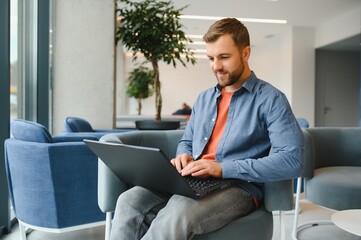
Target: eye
[{"x": 211, "y": 59}]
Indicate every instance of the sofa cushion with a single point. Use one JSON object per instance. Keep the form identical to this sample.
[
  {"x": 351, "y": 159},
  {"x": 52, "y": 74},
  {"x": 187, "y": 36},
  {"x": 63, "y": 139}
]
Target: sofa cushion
[{"x": 30, "y": 131}]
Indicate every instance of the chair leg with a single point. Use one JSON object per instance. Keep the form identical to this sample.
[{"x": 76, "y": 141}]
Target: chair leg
[
  {"x": 108, "y": 225},
  {"x": 297, "y": 206},
  {"x": 22, "y": 231},
  {"x": 282, "y": 225}
]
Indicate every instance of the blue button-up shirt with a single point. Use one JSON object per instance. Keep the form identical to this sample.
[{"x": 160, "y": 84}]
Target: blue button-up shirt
[{"x": 259, "y": 117}]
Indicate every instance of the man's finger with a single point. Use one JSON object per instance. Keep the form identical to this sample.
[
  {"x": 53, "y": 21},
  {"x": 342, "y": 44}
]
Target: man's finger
[
  {"x": 178, "y": 164},
  {"x": 184, "y": 161}
]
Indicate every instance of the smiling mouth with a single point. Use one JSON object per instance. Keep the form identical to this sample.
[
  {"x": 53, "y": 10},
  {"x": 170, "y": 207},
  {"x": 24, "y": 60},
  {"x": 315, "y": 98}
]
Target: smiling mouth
[{"x": 221, "y": 74}]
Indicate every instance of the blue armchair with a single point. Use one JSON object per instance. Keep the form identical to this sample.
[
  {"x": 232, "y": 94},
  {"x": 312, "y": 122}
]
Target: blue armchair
[
  {"x": 52, "y": 180},
  {"x": 77, "y": 125}
]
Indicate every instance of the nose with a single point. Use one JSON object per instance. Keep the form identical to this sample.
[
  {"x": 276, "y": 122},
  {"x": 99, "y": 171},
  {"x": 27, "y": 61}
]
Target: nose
[{"x": 217, "y": 65}]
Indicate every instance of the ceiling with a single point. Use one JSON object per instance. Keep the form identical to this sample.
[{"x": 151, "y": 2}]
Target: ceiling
[{"x": 300, "y": 13}]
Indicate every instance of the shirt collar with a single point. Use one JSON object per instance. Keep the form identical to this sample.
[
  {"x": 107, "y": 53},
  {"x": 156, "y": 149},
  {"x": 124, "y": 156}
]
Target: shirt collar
[{"x": 248, "y": 84}]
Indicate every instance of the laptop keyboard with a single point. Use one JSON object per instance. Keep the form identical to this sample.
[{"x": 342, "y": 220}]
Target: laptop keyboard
[{"x": 202, "y": 184}]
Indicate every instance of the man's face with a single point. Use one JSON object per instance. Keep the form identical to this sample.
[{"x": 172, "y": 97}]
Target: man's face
[{"x": 228, "y": 62}]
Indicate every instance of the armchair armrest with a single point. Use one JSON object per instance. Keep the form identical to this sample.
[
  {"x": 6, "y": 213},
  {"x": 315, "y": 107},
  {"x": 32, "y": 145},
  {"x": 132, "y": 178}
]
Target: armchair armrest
[
  {"x": 308, "y": 163},
  {"x": 74, "y": 174},
  {"x": 109, "y": 188},
  {"x": 109, "y": 185},
  {"x": 278, "y": 195},
  {"x": 115, "y": 130}
]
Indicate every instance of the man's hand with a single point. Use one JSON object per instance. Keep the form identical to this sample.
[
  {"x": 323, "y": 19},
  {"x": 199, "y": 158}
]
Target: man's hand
[
  {"x": 185, "y": 165},
  {"x": 181, "y": 161},
  {"x": 203, "y": 168}
]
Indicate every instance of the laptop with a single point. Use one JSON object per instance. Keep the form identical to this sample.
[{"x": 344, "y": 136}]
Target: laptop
[{"x": 150, "y": 168}]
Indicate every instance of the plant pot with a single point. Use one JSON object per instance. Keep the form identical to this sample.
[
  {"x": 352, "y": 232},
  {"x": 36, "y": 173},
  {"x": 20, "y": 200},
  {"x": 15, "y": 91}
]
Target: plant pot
[{"x": 157, "y": 125}]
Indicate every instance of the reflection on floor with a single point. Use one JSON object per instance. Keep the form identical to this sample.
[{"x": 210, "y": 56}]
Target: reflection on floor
[{"x": 309, "y": 212}]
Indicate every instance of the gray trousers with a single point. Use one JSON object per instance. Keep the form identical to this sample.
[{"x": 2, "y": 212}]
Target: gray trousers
[{"x": 144, "y": 214}]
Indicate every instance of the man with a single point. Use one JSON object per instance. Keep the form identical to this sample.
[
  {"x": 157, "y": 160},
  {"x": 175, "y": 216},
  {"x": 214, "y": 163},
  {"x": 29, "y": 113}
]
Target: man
[
  {"x": 229, "y": 135},
  {"x": 184, "y": 110}
]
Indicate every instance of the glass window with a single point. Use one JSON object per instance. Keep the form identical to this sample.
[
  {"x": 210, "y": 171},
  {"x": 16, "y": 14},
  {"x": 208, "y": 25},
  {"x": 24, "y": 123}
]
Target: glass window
[
  {"x": 25, "y": 49},
  {"x": 4, "y": 107},
  {"x": 14, "y": 60}
]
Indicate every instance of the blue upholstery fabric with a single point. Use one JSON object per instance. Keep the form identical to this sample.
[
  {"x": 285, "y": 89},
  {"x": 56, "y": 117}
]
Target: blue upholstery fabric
[
  {"x": 75, "y": 137},
  {"x": 303, "y": 123},
  {"x": 74, "y": 124},
  {"x": 257, "y": 225},
  {"x": 52, "y": 185},
  {"x": 30, "y": 131}
]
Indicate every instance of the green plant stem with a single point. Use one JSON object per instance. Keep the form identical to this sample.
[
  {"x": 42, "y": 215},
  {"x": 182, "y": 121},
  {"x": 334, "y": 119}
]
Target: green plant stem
[
  {"x": 139, "y": 106},
  {"x": 157, "y": 89}
]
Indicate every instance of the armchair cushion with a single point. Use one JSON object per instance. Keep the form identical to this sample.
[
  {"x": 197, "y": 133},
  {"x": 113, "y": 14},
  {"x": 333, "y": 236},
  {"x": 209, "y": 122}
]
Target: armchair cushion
[
  {"x": 329, "y": 182},
  {"x": 256, "y": 225},
  {"x": 30, "y": 131}
]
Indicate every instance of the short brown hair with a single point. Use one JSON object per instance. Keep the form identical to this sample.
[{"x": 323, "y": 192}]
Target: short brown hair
[{"x": 231, "y": 26}]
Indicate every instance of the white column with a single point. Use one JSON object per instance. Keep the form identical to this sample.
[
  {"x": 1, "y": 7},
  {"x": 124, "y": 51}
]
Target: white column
[{"x": 83, "y": 72}]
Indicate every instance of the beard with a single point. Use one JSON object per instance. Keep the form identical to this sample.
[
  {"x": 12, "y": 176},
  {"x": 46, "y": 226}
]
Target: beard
[{"x": 230, "y": 78}]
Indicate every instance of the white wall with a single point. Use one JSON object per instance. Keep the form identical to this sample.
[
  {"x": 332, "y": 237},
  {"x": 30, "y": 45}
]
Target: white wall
[
  {"x": 303, "y": 73},
  {"x": 339, "y": 28},
  {"x": 287, "y": 62},
  {"x": 272, "y": 62},
  {"x": 83, "y": 70}
]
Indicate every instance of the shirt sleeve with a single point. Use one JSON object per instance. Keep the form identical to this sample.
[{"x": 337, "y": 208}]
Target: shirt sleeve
[
  {"x": 185, "y": 144},
  {"x": 285, "y": 160}
]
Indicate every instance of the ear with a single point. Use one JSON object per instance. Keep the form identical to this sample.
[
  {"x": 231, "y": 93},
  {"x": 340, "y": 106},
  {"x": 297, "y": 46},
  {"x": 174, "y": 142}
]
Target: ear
[{"x": 246, "y": 53}]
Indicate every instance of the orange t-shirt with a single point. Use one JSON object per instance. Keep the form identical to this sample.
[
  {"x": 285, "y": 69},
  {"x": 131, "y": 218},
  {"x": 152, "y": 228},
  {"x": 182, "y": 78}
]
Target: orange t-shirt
[{"x": 209, "y": 152}]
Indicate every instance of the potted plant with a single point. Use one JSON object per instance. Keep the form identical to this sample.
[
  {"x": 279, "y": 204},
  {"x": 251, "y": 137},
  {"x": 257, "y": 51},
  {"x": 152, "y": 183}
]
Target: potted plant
[
  {"x": 140, "y": 84},
  {"x": 152, "y": 28}
]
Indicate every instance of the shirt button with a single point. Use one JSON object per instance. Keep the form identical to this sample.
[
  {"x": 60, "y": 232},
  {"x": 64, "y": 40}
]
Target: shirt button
[
  {"x": 205, "y": 138},
  {"x": 195, "y": 157},
  {"x": 213, "y": 119}
]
